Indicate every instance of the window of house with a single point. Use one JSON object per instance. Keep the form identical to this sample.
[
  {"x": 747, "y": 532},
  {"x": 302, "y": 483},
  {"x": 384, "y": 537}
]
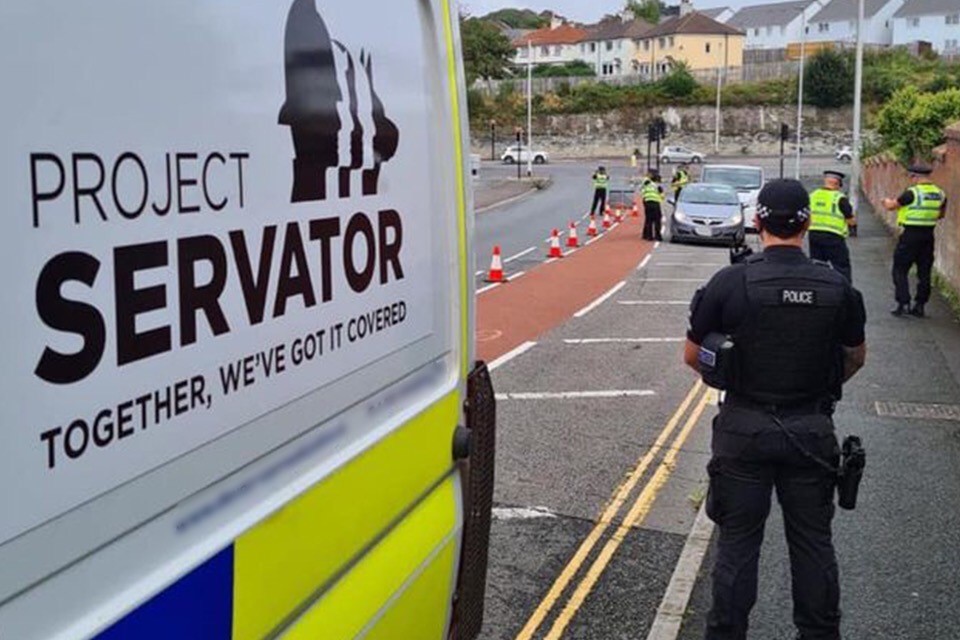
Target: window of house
[
  {"x": 558, "y": 50},
  {"x": 583, "y": 48},
  {"x": 670, "y": 42},
  {"x": 950, "y": 45},
  {"x": 522, "y": 53},
  {"x": 646, "y": 45},
  {"x": 756, "y": 31},
  {"x": 706, "y": 47},
  {"x": 545, "y": 51},
  {"x": 953, "y": 19},
  {"x": 609, "y": 45},
  {"x": 593, "y": 47},
  {"x": 914, "y": 22},
  {"x": 662, "y": 42},
  {"x": 823, "y": 27}
]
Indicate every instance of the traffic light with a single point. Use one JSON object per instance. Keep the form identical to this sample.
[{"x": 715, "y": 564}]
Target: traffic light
[{"x": 784, "y": 131}]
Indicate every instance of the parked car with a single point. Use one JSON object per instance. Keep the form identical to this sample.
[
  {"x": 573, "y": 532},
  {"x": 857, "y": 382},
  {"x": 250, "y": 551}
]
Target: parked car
[
  {"x": 515, "y": 154},
  {"x": 844, "y": 154},
  {"x": 681, "y": 154},
  {"x": 708, "y": 212},
  {"x": 746, "y": 179}
]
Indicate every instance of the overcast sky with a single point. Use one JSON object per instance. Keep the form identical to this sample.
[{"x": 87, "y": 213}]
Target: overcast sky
[{"x": 584, "y": 10}]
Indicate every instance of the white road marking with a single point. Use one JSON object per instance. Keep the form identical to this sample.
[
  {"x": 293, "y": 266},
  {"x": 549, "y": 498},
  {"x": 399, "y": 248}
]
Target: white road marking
[
  {"x": 510, "y": 355},
  {"x": 488, "y": 287},
  {"x": 621, "y": 340},
  {"x": 596, "y": 303},
  {"x": 653, "y": 302},
  {"x": 656, "y": 245},
  {"x": 575, "y": 395},
  {"x": 520, "y": 255},
  {"x": 521, "y": 513},
  {"x": 479, "y": 273},
  {"x": 666, "y": 626},
  {"x": 517, "y": 275},
  {"x": 644, "y": 262}
]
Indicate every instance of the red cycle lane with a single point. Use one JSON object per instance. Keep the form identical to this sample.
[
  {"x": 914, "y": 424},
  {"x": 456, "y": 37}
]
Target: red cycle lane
[{"x": 545, "y": 296}]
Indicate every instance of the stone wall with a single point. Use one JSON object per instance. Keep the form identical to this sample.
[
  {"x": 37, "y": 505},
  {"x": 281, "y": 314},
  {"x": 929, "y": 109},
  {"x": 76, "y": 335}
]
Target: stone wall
[
  {"x": 884, "y": 177},
  {"x": 744, "y": 130}
]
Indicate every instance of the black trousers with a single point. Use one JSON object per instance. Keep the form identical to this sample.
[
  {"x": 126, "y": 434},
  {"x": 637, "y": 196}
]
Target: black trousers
[
  {"x": 599, "y": 197},
  {"x": 652, "y": 221},
  {"x": 831, "y": 248},
  {"x": 915, "y": 247},
  {"x": 751, "y": 456}
]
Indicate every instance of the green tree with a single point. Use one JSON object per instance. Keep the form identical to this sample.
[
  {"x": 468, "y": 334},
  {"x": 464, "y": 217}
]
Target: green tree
[
  {"x": 679, "y": 83},
  {"x": 575, "y": 68},
  {"x": 648, "y": 10},
  {"x": 518, "y": 18},
  {"x": 486, "y": 51},
  {"x": 828, "y": 79},
  {"x": 912, "y": 122}
]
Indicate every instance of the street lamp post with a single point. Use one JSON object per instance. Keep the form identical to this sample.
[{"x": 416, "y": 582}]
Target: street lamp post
[
  {"x": 857, "y": 89},
  {"x": 720, "y": 70},
  {"x": 493, "y": 140},
  {"x": 803, "y": 51},
  {"x": 529, "y": 109}
]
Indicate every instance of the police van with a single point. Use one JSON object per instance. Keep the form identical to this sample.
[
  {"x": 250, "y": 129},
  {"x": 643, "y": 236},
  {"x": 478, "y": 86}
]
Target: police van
[{"x": 239, "y": 397}]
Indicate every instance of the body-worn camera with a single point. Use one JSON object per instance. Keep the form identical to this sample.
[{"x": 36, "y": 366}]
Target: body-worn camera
[
  {"x": 853, "y": 458},
  {"x": 716, "y": 360}
]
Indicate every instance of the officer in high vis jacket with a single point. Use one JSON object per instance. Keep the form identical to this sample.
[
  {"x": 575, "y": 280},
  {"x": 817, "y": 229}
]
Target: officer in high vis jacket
[
  {"x": 601, "y": 184},
  {"x": 681, "y": 178},
  {"x": 919, "y": 208},
  {"x": 795, "y": 328},
  {"x": 652, "y": 195},
  {"x": 831, "y": 217}
]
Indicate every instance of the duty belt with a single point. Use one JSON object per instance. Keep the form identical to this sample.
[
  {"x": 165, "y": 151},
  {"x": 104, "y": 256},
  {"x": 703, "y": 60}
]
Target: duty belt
[{"x": 800, "y": 408}]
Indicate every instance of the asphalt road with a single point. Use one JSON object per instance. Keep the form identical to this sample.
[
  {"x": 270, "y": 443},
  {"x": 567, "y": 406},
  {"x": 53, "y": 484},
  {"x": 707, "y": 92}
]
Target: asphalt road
[
  {"x": 521, "y": 227},
  {"x": 603, "y": 440}
]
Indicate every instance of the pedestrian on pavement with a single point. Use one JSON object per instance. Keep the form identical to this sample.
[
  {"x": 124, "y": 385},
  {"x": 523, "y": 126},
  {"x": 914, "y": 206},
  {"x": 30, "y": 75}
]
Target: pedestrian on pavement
[
  {"x": 796, "y": 334},
  {"x": 919, "y": 208},
  {"x": 601, "y": 184},
  {"x": 681, "y": 177},
  {"x": 831, "y": 217},
  {"x": 651, "y": 192}
]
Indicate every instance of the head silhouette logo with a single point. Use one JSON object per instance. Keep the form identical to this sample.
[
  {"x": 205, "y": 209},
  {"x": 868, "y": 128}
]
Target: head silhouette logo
[{"x": 335, "y": 116}]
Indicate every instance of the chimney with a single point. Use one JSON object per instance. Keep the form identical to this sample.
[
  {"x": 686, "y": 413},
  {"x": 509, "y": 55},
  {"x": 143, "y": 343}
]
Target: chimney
[
  {"x": 555, "y": 21},
  {"x": 686, "y": 7}
]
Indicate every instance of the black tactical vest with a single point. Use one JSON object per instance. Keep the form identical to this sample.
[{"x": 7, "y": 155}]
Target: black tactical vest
[{"x": 788, "y": 348}]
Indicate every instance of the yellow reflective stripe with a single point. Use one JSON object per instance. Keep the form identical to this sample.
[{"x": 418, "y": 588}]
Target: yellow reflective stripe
[
  {"x": 282, "y": 562},
  {"x": 356, "y": 599},
  {"x": 457, "y": 133},
  {"x": 421, "y": 612}
]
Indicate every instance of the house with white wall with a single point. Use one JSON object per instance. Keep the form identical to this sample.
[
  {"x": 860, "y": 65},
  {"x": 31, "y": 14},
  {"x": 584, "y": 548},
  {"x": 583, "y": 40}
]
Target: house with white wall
[
  {"x": 610, "y": 46},
  {"x": 773, "y": 26},
  {"x": 837, "y": 22},
  {"x": 933, "y": 21},
  {"x": 557, "y": 44}
]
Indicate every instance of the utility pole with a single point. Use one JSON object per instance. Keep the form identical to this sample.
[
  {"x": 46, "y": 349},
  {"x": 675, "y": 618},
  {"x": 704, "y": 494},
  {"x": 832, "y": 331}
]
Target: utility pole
[
  {"x": 857, "y": 90},
  {"x": 493, "y": 140},
  {"x": 529, "y": 109},
  {"x": 716, "y": 141},
  {"x": 803, "y": 52}
]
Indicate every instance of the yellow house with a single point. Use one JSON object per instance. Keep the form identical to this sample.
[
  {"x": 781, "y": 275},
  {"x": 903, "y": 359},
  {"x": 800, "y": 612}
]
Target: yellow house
[{"x": 694, "y": 38}]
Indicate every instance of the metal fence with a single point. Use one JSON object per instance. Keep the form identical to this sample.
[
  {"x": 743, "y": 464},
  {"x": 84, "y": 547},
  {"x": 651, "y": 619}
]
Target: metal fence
[{"x": 747, "y": 73}]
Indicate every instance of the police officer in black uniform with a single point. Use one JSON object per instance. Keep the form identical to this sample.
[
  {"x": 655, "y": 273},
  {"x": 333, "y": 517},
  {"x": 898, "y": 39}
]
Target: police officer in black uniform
[
  {"x": 919, "y": 209},
  {"x": 797, "y": 333}
]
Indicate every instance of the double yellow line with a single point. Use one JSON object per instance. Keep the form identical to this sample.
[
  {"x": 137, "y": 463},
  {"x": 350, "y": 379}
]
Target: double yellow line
[{"x": 641, "y": 507}]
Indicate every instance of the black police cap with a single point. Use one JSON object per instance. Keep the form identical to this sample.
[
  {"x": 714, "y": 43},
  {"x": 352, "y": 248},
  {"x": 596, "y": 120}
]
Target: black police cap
[
  {"x": 784, "y": 199},
  {"x": 835, "y": 174},
  {"x": 920, "y": 170}
]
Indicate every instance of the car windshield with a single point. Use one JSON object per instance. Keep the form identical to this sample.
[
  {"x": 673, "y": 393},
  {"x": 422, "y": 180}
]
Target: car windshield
[
  {"x": 709, "y": 194},
  {"x": 745, "y": 178}
]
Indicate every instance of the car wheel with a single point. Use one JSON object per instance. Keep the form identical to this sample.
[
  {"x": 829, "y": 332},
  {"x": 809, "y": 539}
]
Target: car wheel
[
  {"x": 539, "y": 160},
  {"x": 697, "y": 160},
  {"x": 509, "y": 160},
  {"x": 666, "y": 160},
  {"x": 846, "y": 159}
]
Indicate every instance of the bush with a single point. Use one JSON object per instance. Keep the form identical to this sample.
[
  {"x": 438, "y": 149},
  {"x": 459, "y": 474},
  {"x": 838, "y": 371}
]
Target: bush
[
  {"x": 828, "y": 79},
  {"x": 912, "y": 122},
  {"x": 679, "y": 83},
  {"x": 578, "y": 68}
]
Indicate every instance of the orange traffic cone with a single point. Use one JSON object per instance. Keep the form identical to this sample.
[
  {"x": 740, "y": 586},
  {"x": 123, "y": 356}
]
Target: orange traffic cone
[
  {"x": 572, "y": 240},
  {"x": 606, "y": 220},
  {"x": 618, "y": 215},
  {"x": 592, "y": 229},
  {"x": 555, "y": 250},
  {"x": 635, "y": 212},
  {"x": 607, "y": 210},
  {"x": 496, "y": 267}
]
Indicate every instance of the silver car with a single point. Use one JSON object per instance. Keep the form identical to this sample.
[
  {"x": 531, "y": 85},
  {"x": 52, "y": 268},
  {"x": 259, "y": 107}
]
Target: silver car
[
  {"x": 708, "y": 213},
  {"x": 680, "y": 154},
  {"x": 746, "y": 179}
]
